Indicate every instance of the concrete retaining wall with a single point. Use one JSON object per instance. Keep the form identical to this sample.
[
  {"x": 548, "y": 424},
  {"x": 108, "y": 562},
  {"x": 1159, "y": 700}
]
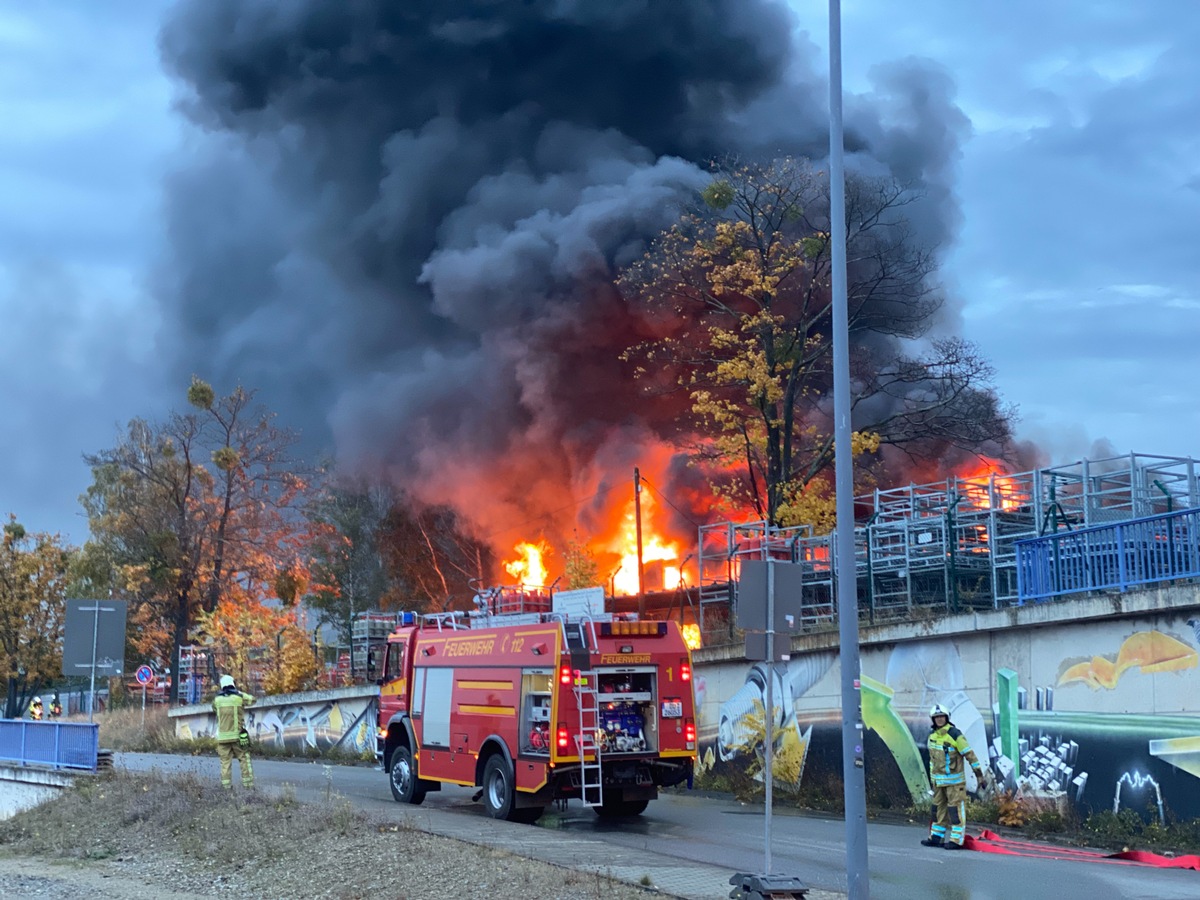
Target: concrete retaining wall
[
  {"x": 22, "y": 787},
  {"x": 1092, "y": 701},
  {"x": 343, "y": 719}
]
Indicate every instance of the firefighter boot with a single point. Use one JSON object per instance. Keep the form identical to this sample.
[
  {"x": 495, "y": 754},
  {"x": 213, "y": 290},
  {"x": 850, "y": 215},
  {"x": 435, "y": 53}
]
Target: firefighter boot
[
  {"x": 951, "y": 845},
  {"x": 932, "y": 841}
]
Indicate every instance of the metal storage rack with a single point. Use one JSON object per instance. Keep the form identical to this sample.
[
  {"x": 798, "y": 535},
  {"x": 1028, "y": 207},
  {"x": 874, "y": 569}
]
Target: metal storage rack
[{"x": 950, "y": 544}]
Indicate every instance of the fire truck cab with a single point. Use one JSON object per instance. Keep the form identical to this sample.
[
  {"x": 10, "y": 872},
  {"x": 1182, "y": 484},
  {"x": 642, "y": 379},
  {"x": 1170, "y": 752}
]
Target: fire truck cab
[{"x": 535, "y": 705}]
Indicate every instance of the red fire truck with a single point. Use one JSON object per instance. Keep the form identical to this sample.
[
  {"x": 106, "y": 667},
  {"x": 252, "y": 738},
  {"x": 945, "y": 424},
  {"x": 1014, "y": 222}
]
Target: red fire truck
[{"x": 536, "y": 706}]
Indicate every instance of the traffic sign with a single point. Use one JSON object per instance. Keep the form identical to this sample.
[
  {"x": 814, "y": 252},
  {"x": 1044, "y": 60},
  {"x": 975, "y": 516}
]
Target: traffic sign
[{"x": 144, "y": 675}]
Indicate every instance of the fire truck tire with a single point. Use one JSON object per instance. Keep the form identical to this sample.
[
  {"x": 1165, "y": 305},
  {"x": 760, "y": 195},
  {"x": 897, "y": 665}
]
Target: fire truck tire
[
  {"x": 619, "y": 809},
  {"x": 406, "y": 787},
  {"x": 499, "y": 790}
]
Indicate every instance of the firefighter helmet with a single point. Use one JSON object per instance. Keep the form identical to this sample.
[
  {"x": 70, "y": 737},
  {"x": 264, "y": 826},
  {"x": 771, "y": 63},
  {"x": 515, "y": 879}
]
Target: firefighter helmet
[
  {"x": 37, "y": 701},
  {"x": 939, "y": 710},
  {"x": 226, "y": 681}
]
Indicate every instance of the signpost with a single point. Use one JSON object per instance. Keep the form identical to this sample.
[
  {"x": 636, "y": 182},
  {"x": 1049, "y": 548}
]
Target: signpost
[
  {"x": 94, "y": 640},
  {"x": 145, "y": 677},
  {"x": 768, "y": 606}
]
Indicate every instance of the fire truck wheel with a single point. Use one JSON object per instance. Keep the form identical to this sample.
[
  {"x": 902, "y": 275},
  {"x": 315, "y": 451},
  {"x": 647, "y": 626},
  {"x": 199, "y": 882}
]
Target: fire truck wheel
[
  {"x": 406, "y": 787},
  {"x": 618, "y": 809},
  {"x": 498, "y": 791}
]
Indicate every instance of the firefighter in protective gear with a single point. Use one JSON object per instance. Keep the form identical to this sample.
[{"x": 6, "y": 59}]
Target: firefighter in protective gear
[
  {"x": 55, "y": 707},
  {"x": 230, "y": 705},
  {"x": 948, "y": 748},
  {"x": 35, "y": 709}
]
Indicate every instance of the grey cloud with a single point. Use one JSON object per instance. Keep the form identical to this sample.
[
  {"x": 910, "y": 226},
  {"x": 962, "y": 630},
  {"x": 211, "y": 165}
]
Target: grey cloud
[{"x": 430, "y": 201}]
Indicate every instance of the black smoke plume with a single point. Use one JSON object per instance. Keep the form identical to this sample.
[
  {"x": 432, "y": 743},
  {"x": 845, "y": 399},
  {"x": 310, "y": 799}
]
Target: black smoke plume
[{"x": 402, "y": 220}]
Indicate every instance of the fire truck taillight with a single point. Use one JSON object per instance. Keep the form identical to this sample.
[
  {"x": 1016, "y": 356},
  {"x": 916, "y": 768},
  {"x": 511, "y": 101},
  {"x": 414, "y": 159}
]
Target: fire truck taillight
[
  {"x": 685, "y": 671},
  {"x": 689, "y": 732},
  {"x": 562, "y": 736},
  {"x": 564, "y": 675}
]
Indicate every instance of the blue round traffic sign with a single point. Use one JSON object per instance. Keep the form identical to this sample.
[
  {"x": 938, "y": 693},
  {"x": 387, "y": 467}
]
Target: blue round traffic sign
[{"x": 144, "y": 675}]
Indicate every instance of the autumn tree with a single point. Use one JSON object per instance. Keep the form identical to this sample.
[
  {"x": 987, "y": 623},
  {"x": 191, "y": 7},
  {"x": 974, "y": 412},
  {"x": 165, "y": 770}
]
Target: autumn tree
[
  {"x": 580, "y": 569},
  {"x": 199, "y": 513},
  {"x": 34, "y": 573},
  {"x": 738, "y": 292},
  {"x": 346, "y": 559},
  {"x": 432, "y": 558},
  {"x": 244, "y": 632},
  {"x": 296, "y": 666}
]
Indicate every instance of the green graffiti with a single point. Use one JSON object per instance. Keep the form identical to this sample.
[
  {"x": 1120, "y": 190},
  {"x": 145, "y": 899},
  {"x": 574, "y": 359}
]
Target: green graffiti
[
  {"x": 1183, "y": 753},
  {"x": 881, "y": 718},
  {"x": 1110, "y": 726},
  {"x": 1007, "y": 690}
]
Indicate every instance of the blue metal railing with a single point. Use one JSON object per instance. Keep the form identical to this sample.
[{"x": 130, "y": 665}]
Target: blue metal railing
[
  {"x": 1110, "y": 557},
  {"x": 55, "y": 745}
]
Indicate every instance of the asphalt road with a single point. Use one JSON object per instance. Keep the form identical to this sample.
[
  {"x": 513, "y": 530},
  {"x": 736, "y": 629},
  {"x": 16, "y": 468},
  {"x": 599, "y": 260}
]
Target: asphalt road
[{"x": 727, "y": 835}]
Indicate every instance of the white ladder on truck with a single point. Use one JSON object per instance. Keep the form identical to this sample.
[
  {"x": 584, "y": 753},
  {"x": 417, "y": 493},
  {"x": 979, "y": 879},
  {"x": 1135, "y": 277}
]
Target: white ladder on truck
[{"x": 591, "y": 774}]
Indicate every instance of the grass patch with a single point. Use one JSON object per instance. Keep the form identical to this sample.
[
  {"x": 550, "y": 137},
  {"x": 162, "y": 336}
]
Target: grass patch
[
  {"x": 202, "y": 838},
  {"x": 127, "y": 730},
  {"x": 1128, "y": 828},
  {"x": 121, "y": 814}
]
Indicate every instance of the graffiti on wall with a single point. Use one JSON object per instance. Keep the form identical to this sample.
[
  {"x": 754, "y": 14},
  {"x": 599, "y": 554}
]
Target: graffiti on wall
[
  {"x": 345, "y": 724},
  {"x": 1100, "y": 715}
]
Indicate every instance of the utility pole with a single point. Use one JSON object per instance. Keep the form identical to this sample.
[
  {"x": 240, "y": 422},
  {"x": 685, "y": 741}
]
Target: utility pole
[
  {"x": 637, "y": 514},
  {"x": 854, "y": 776}
]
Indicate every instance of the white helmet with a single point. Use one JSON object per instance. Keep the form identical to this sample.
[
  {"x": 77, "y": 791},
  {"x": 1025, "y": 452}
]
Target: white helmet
[
  {"x": 939, "y": 710},
  {"x": 37, "y": 701},
  {"x": 226, "y": 681}
]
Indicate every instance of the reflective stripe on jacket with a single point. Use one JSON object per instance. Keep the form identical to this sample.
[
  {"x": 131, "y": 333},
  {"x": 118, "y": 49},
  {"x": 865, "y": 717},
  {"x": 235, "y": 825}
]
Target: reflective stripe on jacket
[
  {"x": 947, "y": 747},
  {"x": 231, "y": 717}
]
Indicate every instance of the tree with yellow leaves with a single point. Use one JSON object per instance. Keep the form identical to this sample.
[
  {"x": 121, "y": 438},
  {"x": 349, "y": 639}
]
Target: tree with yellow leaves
[
  {"x": 34, "y": 573},
  {"x": 738, "y": 294}
]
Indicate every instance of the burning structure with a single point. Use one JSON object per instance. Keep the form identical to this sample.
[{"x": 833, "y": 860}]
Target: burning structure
[
  {"x": 953, "y": 544},
  {"x": 403, "y": 223}
]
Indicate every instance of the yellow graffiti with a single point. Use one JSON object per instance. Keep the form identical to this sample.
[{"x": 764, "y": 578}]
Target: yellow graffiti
[
  {"x": 1146, "y": 651},
  {"x": 790, "y": 750}
]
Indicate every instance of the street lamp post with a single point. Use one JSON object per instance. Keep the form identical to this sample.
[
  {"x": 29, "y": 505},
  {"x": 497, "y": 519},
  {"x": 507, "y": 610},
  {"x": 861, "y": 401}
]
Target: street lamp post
[{"x": 854, "y": 779}]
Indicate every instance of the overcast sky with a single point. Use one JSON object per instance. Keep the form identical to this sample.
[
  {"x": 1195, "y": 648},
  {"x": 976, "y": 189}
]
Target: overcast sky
[{"x": 1075, "y": 266}]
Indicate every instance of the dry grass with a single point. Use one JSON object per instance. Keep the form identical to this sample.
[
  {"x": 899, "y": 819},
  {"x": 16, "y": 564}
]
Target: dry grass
[
  {"x": 128, "y": 730},
  {"x": 195, "y": 836},
  {"x": 121, "y": 814}
]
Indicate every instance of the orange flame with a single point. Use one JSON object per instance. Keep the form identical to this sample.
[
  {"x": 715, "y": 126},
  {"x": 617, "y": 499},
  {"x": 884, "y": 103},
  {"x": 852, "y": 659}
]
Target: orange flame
[
  {"x": 974, "y": 485},
  {"x": 529, "y": 568},
  {"x": 607, "y": 520},
  {"x": 654, "y": 549}
]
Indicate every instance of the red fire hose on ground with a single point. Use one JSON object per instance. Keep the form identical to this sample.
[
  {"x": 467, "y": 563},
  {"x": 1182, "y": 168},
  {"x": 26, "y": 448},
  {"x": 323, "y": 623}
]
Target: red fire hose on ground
[{"x": 990, "y": 842}]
